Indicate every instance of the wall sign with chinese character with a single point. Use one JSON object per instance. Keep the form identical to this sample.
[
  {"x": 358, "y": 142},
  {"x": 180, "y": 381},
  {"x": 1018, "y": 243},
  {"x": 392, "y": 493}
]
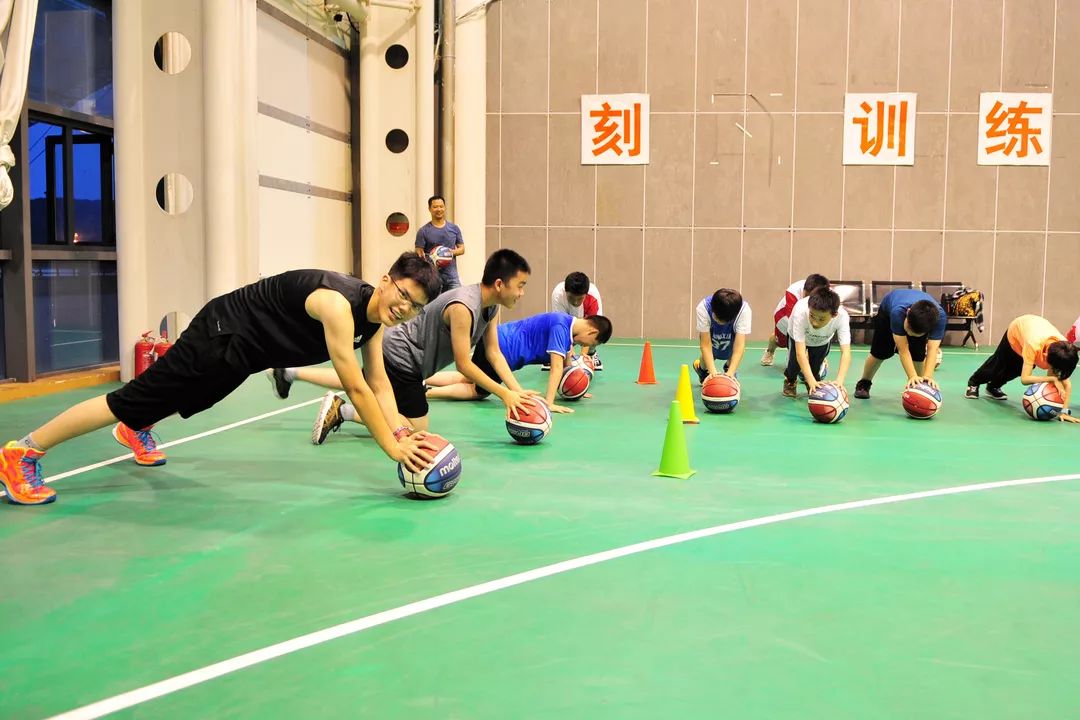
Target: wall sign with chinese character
[
  {"x": 879, "y": 129},
  {"x": 615, "y": 129},
  {"x": 1014, "y": 128}
]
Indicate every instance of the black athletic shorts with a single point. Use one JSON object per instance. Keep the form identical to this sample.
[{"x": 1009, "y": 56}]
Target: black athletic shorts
[
  {"x": 410, "y": 395},
  {"x": 479, "y": 358},
  {"x": 883, "y": 347},
  {"x": 193, "y": 376}
]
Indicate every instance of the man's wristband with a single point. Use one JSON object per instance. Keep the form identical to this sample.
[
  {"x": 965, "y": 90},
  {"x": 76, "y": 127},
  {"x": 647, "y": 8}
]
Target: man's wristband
[{"x": 401, "y": 432}]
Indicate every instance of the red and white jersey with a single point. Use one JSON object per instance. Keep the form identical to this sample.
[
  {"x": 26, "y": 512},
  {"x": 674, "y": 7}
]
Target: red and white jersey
[
  {"x": 592, "y": 305},
  {"x": 783, "y": 308},
  {"x": 1074, "y": 332}
]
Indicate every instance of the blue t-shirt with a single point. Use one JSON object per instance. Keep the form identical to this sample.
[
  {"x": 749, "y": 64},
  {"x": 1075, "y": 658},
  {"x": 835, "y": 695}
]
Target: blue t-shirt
[
  {"x": 895, "y": 305},
  {"x": 449, "y": 235},
  {"x": 528, "y": 341}
]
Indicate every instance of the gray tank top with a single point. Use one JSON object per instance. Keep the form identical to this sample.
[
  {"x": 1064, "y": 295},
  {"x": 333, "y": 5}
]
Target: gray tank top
[{"x": 421, "y": 347}]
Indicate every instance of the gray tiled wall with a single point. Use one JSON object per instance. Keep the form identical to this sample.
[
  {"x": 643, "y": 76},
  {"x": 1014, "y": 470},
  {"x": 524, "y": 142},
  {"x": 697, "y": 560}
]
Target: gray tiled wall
[{"x": 717, "y": 207}]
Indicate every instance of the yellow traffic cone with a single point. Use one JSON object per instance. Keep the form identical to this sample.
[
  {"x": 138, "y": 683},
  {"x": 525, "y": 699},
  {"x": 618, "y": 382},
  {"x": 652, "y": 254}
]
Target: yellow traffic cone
[
  {"x": 675, "y": 460},
  {"x": 685, "y": 396}
]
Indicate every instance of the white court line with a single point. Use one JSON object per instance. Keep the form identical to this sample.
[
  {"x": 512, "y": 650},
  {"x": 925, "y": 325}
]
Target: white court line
[
  {"x": 853, "y": 350},
  {"x": 240, "y": 662},
  {"x": 181, "y": 441}
]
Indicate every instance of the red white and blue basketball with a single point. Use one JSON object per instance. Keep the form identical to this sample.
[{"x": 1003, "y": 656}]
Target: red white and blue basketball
[
  {"x": 575, "y": 382},
  {"x": 922, "y": 401},
  {"x": 440, "y": 478},
  {"x": 720, "y": 394},
  {"x": 441, "y": 256},
  {"x": 828, "y": 404},
  {"x": 532, "y": 424},
  {"x": 1042, "y": 401}
]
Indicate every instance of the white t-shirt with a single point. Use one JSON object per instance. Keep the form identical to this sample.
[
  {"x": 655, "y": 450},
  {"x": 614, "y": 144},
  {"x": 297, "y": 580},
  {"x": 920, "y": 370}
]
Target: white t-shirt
[
  {"x": 704, "y": 317},
  {"x": 802, "y": 331},
  {"x": 592, "y": 305}
]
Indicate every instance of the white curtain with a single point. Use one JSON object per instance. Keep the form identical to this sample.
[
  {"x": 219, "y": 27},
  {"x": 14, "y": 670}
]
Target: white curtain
[{"x": 17, "y": 29}]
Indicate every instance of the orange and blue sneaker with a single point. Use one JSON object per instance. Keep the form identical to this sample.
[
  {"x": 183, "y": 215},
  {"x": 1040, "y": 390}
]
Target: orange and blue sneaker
[
  {"x": 140, "y": 442},
  {"x": 20, "y": 473}
]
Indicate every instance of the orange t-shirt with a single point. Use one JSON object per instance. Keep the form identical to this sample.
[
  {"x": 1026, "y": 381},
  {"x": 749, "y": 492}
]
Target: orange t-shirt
[{"x": 1031, "y": 336}]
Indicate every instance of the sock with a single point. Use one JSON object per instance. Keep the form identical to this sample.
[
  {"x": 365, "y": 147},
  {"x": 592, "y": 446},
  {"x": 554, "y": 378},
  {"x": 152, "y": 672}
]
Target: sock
[
  {"x": 290, "y": 374},
  {"x": 348, "y": 412},
  {"x": 28, "y": 442}
]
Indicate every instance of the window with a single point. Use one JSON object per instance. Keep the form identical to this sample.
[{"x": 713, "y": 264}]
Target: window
[
  {"x": 75, "y": 314},
  {"x": 71, "y": 59}
]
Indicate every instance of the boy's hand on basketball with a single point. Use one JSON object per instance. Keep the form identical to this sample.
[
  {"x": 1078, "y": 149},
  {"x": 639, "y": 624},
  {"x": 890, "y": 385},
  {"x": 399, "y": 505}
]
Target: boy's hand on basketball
[
  {"x": 919, "y": 379},
  {"x": 516, "y": 401},
  {"x": 416, "y": 452},
  {"x": 812, "y": 385}
]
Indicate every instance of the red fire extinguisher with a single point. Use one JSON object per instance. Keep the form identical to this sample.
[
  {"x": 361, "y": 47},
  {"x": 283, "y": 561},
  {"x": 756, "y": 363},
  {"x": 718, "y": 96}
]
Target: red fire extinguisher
[
  {"x": 144, "y": 353},
  {"x": 163, "y": 346}
]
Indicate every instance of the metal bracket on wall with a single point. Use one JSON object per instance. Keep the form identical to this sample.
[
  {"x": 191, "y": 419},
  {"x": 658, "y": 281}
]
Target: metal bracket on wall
[{"x": 746, "y": 132}]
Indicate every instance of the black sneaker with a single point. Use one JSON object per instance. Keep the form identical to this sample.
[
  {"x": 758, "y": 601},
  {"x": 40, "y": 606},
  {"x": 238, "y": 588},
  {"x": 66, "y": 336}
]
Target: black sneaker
[
  {"x": 862, "y": 389},
  {"x": 972, "y": 392},
  {"x": 995, "y": 393},
  {"x": 598, "y": 365},
  {"x": 279, "y": 383},
  {"x": 546, "y": 367}
]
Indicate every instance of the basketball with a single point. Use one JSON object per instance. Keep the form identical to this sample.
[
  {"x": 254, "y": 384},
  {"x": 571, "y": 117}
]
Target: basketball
[
  {"x": 439, "y": 479},
  {"x": 720, "y": 394},
  {"x": 1042, "y": 401},
  {"x": 828, "y": 404},
  {"x": 441, "y": 256},
  {"x": 922, "y": 401},
  {"x": 532, "y": 424},
  {"x": 575, "y": 382}
]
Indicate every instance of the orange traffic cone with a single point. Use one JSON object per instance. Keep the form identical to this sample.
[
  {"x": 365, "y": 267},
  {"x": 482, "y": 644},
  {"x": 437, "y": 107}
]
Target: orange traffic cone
[{"x": 646, "y": 376}]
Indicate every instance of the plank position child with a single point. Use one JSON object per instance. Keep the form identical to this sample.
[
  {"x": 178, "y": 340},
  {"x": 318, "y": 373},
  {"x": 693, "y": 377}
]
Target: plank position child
[
  {"x": 545, "y": 338},
  {"x": 723, "y": 323},
  {"x": 815, "y": 321},
  {"x": 795, "y": 292},
  {"x": 1030, "y": 342},
  {"x": 577, "y": 296},
  {"x": 911, "y": 324},
  {"x": 297, "y": 317}
]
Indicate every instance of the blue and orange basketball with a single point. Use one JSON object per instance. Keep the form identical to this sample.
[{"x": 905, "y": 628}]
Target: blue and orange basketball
[
  {"x": 441, "y": 256},
  {"x": 828, "y": 404},
  {"x": 921, "y": 401},
  {"x": 439, "y": 479},
  {"x": 1042, "y": 401},
  {"x": 532, "y": 424},
  {"x": 720, "y": 394},
  {"x": 575, "y": 382}
]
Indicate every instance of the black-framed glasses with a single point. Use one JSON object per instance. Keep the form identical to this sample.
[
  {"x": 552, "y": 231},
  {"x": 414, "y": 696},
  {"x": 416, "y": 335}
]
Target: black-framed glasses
[{"x": 417, "y": 307}]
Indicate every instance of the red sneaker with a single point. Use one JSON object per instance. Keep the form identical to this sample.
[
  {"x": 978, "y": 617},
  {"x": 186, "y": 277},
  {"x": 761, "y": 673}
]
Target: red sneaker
[
  {"x": 20, "y": 473},
  {"x": 140, "y": 442}
]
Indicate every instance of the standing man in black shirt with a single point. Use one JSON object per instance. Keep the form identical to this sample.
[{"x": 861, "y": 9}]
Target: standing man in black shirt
[{"x": 301, "y": 317}]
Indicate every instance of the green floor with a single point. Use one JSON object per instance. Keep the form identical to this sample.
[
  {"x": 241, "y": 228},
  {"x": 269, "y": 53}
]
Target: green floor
[{"x": 964, "y": 606}]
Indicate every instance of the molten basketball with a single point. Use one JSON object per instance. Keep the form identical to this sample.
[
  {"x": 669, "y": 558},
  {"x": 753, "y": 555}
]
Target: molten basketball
[
  {"x": 532, "y": 424},
  {"x": 1042, "y": 401},
  {"x": 720, "y": 394},
  {"x": 439, "y": 479},
  {"x": 922, "y": 401},
  {"x": 828, "y": 404}
]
